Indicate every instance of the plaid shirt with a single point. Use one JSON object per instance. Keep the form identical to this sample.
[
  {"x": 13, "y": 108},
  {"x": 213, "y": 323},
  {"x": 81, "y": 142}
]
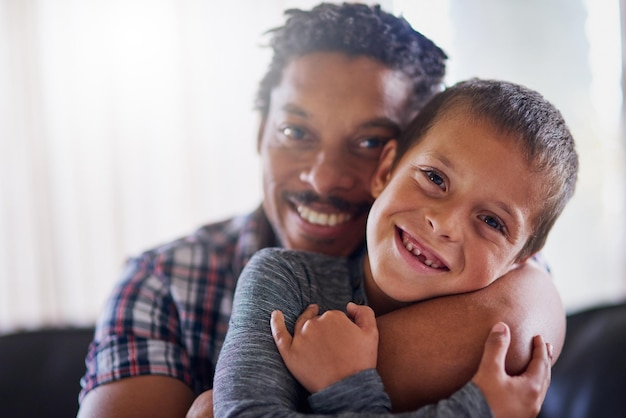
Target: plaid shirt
[{"x": 169, "y": 314}]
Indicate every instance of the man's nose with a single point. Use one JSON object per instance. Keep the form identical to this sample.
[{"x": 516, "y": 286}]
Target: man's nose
[{"x": 328, "y": 172}]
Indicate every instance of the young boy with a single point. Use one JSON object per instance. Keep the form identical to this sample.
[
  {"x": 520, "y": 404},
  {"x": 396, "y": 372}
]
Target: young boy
[{"x": 470, "y": 191}]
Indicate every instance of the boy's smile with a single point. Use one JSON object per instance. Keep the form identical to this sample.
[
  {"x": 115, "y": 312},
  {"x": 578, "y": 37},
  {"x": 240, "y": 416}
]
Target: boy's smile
[
  {"x": 453, "y": 214},
  {"x": 421, "y": 253}
]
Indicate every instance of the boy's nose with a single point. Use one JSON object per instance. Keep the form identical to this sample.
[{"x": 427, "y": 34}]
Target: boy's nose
[{"x": 444, "y": 223}]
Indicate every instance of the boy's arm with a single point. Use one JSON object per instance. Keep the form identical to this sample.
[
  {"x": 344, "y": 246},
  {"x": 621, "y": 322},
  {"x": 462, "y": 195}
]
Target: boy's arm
[
  {"x": 430, "y": 349},
  {"x": 326, "y": 355}
]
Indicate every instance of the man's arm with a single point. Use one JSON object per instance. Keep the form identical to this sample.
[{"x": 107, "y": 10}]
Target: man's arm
[
  {"x": 138, "y": 397},
  {"x": 430, "y": 349},
  {"x": 333, "y": 356}
]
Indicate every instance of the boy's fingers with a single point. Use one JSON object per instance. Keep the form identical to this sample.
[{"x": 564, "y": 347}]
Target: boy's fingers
[
  {"x": 282, "y": 338},
  {"x": 539, "y": 366},
  {"x": 310, "y": 312},
  {"x": 363, "y": 316},
  {"x": 496, "y": 346},
  {"x": 550, "y": 349}
]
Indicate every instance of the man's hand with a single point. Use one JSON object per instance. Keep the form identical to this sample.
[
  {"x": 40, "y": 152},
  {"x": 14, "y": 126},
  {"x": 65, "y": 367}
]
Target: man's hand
[
  {"x": 513, "y": 396},
  {"x": 327, "y": 348}
]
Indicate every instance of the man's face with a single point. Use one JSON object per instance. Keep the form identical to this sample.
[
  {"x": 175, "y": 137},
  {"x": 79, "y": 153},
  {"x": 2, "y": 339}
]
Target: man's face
[
  {"x": 327, "y": 123},
  {"x": 453, "y": 214}
]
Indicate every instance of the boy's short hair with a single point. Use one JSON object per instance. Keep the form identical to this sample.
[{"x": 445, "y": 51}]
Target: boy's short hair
[
  {"x": 358, "y": 30},
  {"x": 521, "y": 113}
]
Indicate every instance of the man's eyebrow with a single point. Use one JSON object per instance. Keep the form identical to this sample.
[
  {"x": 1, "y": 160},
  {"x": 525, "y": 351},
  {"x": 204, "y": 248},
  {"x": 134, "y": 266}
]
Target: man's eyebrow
[
  {"x": 385, "y": 123},
  {"x": 295, "y": 110},
  {"x": 379, "y": 122}
]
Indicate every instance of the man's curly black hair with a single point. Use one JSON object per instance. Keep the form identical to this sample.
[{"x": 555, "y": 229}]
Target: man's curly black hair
[{"x": 355, "y": 29}]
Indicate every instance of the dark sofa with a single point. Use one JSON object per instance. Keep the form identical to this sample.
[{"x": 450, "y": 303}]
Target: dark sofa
[
  {"x": 40, "y": 370},
  {"x": 589, "y": 379}
]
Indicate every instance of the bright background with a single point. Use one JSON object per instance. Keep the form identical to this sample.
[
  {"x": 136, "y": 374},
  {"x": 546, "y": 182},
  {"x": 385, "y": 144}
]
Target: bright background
[{"x": 128, "y": 123}]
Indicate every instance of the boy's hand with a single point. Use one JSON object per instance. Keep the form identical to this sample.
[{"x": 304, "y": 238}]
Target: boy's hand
[
  {"x": 327, "y": 348},
  {"x": 513, "y": 396}
]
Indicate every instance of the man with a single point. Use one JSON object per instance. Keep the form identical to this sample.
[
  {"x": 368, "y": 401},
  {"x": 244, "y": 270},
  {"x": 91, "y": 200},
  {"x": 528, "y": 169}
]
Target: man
[{"x": 342, "y": 82}]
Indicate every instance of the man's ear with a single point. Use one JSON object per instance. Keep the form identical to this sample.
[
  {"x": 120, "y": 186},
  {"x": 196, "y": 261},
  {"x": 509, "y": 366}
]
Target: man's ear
[
  {"x": 259, "y": 135},
  {"x": 383, "y": 171}
]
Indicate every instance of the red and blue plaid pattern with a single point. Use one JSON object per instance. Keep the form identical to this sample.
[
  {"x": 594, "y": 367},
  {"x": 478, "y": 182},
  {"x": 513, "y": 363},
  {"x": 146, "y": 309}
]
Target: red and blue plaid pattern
[{"x": 169, "y": 314}]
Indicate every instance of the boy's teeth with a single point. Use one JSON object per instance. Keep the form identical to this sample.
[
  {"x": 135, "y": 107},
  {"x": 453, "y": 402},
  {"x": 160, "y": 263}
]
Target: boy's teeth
[
  {"x": 323, "y": 219},
  {"x": 416, "y": 252},
  {"x": 410, "y": 248}
]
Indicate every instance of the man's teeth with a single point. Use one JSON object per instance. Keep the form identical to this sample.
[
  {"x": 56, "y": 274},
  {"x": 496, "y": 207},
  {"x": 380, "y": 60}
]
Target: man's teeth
[
  {"x": 416, "y": 252},
  {"x": 324, "y": 219}
]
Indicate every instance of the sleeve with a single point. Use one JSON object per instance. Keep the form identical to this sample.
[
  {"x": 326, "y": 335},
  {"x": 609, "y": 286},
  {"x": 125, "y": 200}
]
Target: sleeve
[
  {"x": 361, "y": 392},
  {"x": 251, "y": 379},
  {"x": 138, "y": 332},
  {"x": 467, "y": 402}
]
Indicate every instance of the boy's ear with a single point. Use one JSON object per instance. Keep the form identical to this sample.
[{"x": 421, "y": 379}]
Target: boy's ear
[{"x": 383, "y": 171}]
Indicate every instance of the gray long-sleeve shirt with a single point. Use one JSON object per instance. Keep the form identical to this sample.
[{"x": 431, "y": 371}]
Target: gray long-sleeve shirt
[{"x": 251, "y": 378}]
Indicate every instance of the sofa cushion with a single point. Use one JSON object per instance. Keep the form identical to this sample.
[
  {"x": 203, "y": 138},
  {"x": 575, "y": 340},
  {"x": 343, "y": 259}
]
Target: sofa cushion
[
  {"x": 589, "y": 378},
  {"x": 40, "y": 372}
]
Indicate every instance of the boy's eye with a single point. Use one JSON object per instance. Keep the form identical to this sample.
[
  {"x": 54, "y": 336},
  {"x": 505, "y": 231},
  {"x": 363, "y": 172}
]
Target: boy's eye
[
  {"x": 435, "y": 178},
  {"x": 493, "y": 222},
  {"x": 373, "y": 142}
]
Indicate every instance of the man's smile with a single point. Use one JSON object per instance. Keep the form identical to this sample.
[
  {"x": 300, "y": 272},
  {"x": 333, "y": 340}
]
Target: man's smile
[
  {"x": 320, "y": 218},
  {"x": 331, "y": 211}
]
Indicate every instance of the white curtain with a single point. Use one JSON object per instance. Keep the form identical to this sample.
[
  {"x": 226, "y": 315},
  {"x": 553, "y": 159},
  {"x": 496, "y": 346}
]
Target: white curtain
[
  {"x": 122, "y": 124},
  {"x": 127, "y": 123}
]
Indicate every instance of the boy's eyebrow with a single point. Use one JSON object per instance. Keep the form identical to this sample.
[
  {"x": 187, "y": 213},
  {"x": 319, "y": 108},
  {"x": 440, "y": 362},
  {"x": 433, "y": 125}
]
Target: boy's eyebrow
[
  {"x": 512, "y": 213},
  {"x": 516, "y": 216},
  {"x": 443, "y": 159},
  {"x": 385, "y": 123}
]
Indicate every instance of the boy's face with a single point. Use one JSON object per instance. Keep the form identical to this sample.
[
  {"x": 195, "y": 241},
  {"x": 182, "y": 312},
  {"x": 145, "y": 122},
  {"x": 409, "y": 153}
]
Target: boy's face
[
  {"x": 320, "y": 143},
  {"x": 453, "y": 214}
]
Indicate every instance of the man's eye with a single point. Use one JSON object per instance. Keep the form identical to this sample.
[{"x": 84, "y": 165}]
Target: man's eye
[
  {"x": 493, "y": 222},
  {"x": 373, "y": 142},
  {"x": 293, "y": 132},
  {"x": 435, "y": 178}
]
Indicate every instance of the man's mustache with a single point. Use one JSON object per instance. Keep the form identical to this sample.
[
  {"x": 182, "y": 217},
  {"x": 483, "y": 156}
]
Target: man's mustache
[{"x": 342, "y": 205}]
